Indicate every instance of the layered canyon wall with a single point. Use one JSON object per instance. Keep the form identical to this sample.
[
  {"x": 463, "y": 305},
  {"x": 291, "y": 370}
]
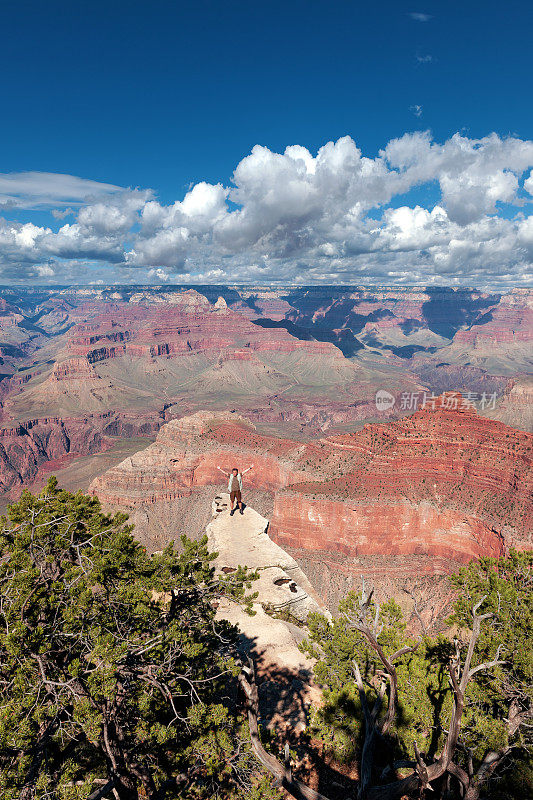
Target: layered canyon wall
[{"x": 396, "y": 500}]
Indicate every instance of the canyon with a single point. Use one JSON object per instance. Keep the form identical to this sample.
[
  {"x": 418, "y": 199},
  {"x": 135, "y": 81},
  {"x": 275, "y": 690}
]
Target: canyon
[
  {"x": 295, "y": 361},
  {"x": 400, "y": 501},
  {"x": 140, "y": 393}
]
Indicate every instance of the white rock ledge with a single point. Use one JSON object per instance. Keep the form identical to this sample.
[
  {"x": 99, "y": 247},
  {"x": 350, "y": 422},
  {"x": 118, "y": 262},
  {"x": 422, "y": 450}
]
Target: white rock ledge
[{"x": 242, "y": 540}]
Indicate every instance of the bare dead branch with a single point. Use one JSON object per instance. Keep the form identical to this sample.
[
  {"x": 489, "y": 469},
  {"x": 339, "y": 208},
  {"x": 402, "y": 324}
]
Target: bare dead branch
[
  {"x": 403, "y": 651},
  {"x": 287, "y": 763},
  {"x": 460, "y": 774},
  {"x": 282, "y": 775},
  {"x": 416, "y": 611},
  {"x": 476, "y": 630},
  {"x": 452, "y": 666},
  {"x": 421, "y": 769},
  {"x": 488, "y": 664}
]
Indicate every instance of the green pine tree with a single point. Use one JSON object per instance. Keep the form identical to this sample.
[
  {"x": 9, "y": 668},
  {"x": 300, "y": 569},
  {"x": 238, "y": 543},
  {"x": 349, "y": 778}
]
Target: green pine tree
[
  {"x": 114, "y": 673},
  {"x": 491, "y": 756}
]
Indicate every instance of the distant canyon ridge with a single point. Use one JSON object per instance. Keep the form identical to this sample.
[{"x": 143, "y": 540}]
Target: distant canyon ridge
[
  {"x": 85, "y": 368},
  {"x": 138, "y": 393}
]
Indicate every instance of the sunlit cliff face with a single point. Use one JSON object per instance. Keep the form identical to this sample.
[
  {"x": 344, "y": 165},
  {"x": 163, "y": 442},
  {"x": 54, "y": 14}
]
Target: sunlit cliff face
[{"x": 416, "y": 496}]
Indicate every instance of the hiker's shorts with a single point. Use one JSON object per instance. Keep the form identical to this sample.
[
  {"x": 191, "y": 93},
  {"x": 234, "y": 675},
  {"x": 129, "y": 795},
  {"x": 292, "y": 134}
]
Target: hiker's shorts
[{"x": 235, "y": 496}]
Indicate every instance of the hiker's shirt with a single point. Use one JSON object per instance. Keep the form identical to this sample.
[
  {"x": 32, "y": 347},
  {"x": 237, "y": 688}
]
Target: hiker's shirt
[{"x": 235, "y": 483}]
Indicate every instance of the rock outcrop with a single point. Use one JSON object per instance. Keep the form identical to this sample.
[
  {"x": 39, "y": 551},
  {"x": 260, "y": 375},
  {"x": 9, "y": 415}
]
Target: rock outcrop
[
  {"x": 416, "y": 497},
  {"x": 283, "y": 602},
  {"x": 317, "y": 523},
  {"x": 25, "y": 448},
  {"x": 178, "y": 330},
  {"x": 516, "y": 405},
  {"x": 186, "y": 455},
  {"x": 500, "y": 341},
  {"x": 36, "y": 444},
  {"x": 282, "y": 586}
]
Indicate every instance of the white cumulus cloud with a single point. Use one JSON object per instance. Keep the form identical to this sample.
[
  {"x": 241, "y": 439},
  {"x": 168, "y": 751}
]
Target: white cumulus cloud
[{"x": 336, "y": 215}]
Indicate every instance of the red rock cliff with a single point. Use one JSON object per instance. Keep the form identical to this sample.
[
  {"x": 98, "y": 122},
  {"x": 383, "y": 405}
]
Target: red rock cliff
[
  {"x": 447, "y": 483},
  {"x": 187, "y": 454},
  {"x": 175, "y": 331}
]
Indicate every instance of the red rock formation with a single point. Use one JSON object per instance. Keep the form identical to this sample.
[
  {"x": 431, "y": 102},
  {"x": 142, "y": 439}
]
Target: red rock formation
[
  {"x": 187, "y": 454},
  {"x": 449, "y": 456},
  {"x": 175, "y": 331},
  {"x": 444, "y": 485},
  {"x": 25, "y": 448},
  {"x": 318, "y": 523},
  {"x": 516, "y": 406},
  {"x": 510, "y": 321},
  {"x": 417, "y": 496},
  {"x": 73, "y": 369}
]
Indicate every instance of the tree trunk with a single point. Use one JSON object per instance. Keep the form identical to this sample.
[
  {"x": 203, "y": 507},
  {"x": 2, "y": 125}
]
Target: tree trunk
[
  {"x": 408, "y": 787},
  {"x": 484, "y": 773}
]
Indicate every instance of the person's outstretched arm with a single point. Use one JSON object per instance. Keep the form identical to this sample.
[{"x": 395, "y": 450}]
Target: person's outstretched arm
[
  {"x": 247, "y": 470},
  {"x": 224, "y": 473}
]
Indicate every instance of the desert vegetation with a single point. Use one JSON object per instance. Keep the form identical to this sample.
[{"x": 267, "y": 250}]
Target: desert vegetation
[
  {"x": 453, "y": 711},
  {"x": 117, "y": 679}
]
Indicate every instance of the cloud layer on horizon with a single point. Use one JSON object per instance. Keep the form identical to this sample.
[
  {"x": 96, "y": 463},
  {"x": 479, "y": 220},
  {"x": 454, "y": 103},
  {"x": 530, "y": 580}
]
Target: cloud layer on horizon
[{"x": 337, "y": 217}]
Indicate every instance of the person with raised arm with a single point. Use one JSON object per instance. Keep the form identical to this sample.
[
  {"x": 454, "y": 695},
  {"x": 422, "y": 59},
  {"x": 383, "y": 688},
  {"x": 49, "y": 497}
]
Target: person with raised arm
[{"x": 235, "y": 488}]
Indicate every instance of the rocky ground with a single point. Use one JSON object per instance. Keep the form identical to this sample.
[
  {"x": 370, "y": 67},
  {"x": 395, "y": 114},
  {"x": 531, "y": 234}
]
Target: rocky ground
[
  {"x": 282, "y": 587},
  {"x": 271, "y": 635}
]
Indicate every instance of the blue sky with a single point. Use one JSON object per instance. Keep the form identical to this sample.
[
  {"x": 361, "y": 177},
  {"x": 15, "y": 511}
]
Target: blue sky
[{"x": 163, "y": 95}]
